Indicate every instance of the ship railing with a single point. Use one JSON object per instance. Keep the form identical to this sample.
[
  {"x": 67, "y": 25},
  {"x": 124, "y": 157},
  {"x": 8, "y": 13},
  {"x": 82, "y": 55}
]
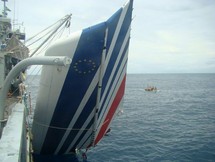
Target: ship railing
[{"x": 45, "y": 60}]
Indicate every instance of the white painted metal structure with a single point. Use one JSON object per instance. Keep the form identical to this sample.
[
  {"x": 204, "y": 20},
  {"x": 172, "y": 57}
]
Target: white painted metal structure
[{"x": 11, "y": 142}]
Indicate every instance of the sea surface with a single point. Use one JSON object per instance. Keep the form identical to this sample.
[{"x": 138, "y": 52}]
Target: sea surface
[{"x": 176, "y": 123}]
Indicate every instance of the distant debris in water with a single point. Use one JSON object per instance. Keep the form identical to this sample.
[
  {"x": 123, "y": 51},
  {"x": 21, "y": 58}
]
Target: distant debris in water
[
  {"x": 120, "y": 112},
  {"x": 151, "y": 89}
]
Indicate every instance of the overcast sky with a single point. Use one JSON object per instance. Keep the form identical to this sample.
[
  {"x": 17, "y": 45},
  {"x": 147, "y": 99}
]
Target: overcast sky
[{"x": 168, "y": 36}]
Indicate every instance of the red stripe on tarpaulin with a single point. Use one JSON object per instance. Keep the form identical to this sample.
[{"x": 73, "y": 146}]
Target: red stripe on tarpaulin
[{"x": 112, "y": 110}]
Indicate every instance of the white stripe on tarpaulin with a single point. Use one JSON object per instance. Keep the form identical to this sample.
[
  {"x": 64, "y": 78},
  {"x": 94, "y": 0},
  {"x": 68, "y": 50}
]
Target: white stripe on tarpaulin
[
  {"x": 86, "y": 140},
  {"x": 121, "y": 78},
  {"x": 39, "y": 136},
  {"x": 81, "y": 131},
  {"x": 120, "y": 75},
  {"x": 122, "y": 71},
  {"x": 116, "y": 33},
  {"x": 112, "y": 74},
  {"x": 80, "y": 108},
  {"x": 100, "y": 83}
]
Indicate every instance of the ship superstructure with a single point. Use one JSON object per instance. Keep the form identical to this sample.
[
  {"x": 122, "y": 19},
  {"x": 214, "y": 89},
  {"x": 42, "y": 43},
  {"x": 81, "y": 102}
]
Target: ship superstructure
[{"x": 12, "y": 49}]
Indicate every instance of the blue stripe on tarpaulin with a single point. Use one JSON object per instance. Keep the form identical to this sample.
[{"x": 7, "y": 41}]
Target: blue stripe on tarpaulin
[
  {"x": 124, "y": 29},
  {"x": 82, "y": 135},
  {"x": 85, "y": 63},
  {"x": 89, "y": 107},
  {"x": 85, "y": 145},
  {"x": 112, "y": 24}
]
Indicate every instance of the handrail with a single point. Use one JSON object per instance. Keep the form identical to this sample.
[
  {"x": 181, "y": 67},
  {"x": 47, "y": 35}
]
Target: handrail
[{"x": 45, "y": 60}]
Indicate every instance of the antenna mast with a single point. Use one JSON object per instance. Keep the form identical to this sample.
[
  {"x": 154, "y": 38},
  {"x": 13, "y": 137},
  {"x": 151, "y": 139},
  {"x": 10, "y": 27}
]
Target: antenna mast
[{"x": 5, "y": 9}]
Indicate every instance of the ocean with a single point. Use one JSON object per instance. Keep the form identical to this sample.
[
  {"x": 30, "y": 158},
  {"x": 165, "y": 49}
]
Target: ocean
[{"x": 176, "y": 123}]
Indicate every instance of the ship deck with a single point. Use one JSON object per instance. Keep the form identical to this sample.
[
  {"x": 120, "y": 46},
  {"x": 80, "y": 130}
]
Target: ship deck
[{"x": 10, "y": 103}]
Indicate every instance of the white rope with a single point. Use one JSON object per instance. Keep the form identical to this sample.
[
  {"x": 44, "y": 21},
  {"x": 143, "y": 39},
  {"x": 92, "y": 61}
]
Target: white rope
[{"x": 60, "y": 128}]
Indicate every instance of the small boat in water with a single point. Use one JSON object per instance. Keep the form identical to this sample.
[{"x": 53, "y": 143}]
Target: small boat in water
[{"x": 151, "y": 89}]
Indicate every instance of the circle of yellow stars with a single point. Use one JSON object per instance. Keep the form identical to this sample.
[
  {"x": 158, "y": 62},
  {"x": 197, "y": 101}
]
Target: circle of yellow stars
[{"x": 84, "y": 66}]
